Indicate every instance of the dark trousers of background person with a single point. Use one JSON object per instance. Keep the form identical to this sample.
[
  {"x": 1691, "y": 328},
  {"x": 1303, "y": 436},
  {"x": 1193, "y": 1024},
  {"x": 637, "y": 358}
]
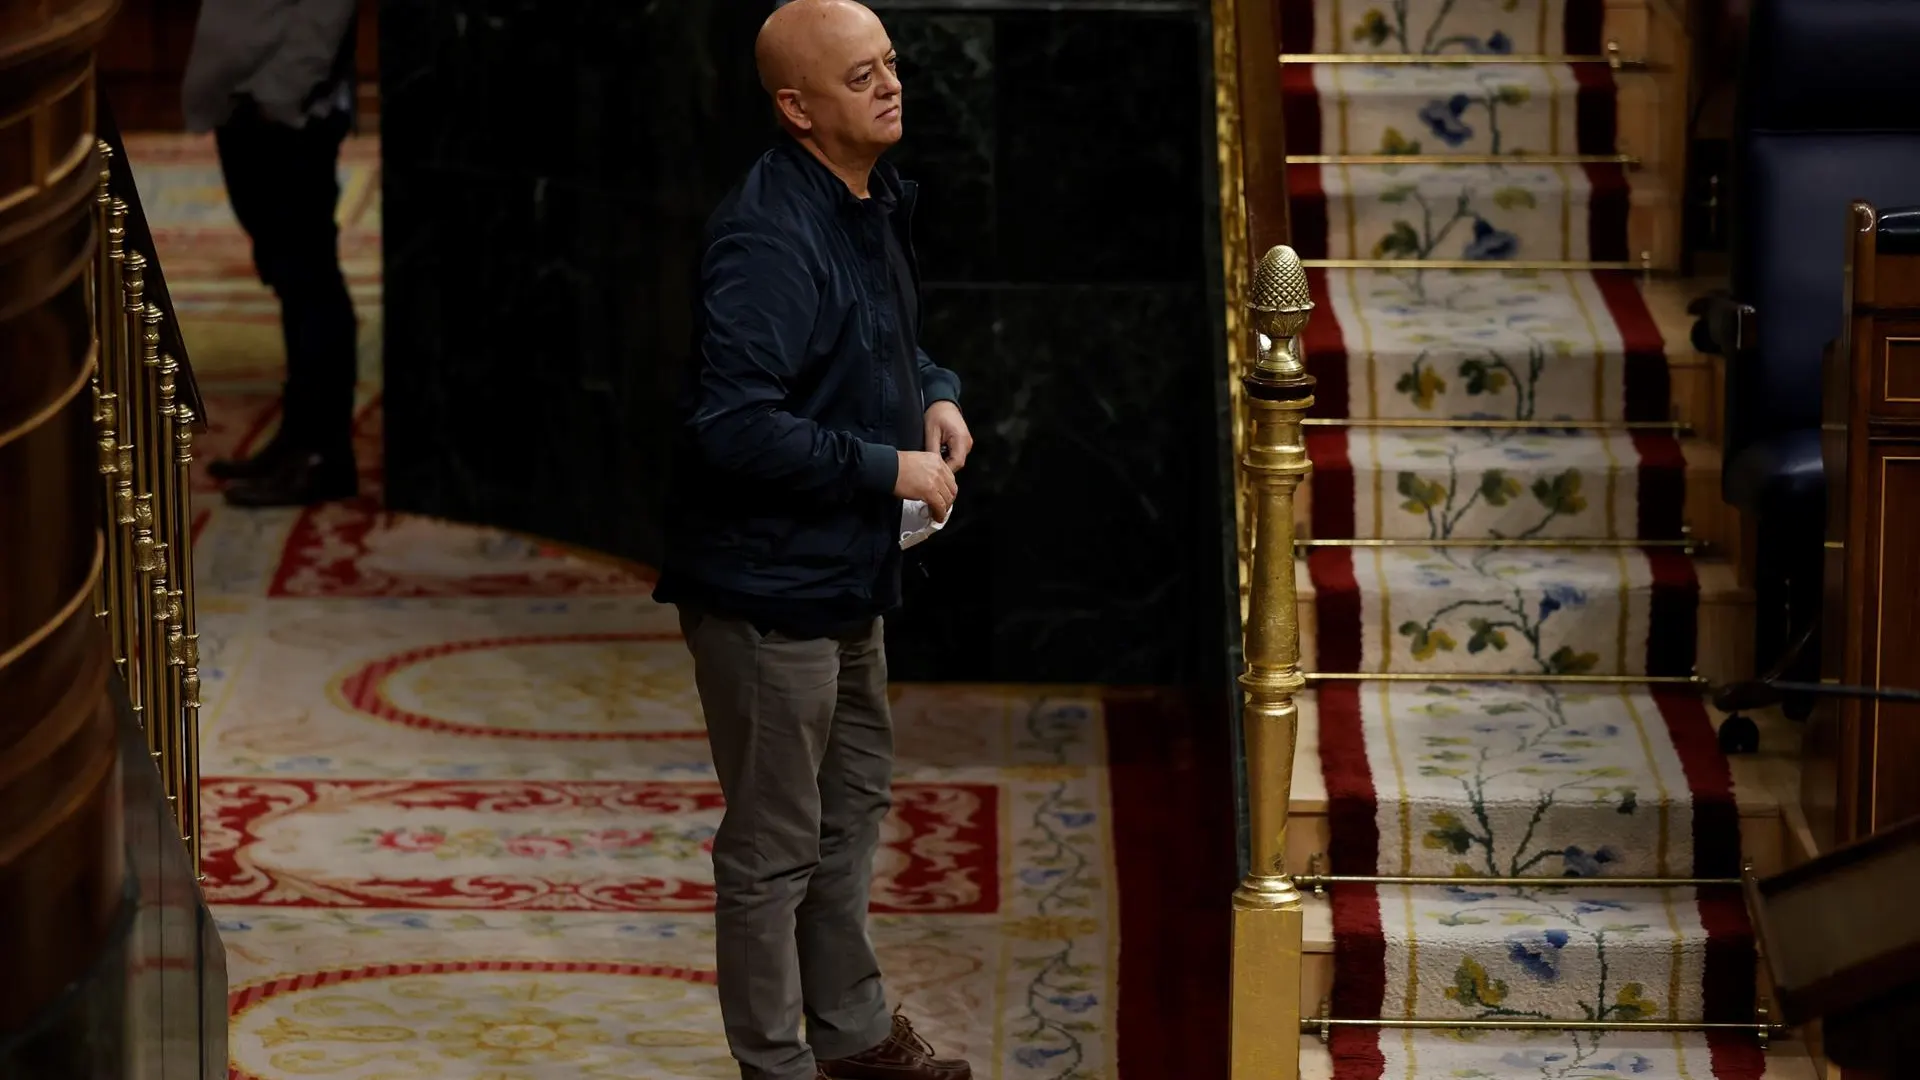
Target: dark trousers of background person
[{"x": 284, "y": 185}]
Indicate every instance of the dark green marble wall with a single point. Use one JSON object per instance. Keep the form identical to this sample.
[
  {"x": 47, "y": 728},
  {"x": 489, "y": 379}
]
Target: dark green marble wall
[{"x": 548, "y": 171}]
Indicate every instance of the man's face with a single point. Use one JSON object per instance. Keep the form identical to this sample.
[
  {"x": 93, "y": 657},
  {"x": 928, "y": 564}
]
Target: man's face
[{"x": 853, "y": 92}]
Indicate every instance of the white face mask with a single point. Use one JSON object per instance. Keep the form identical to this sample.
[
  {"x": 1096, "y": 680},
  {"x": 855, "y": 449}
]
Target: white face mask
[{"x": 916, "y": 523}]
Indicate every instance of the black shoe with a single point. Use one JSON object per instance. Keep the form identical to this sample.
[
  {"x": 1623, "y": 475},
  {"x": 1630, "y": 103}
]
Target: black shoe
[
  {"x": 262, "y": 463},
  {"x": 299, "y": 480}
]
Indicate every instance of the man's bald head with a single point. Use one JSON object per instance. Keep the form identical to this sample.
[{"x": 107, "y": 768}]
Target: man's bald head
[
  {"x": 829, "y": 67},
  {"x": 797, "y": 37}
]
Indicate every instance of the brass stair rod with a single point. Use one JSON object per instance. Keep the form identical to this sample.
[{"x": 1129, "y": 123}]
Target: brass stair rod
[
  {"x": 1555, "y": 543},
  {"x": 1625, "y": 160},
  {"x": 1615, "y": 62},
  {"x": 1472, "y": 264},
  {"x": 1269, "y": 918},
  {"x": 1505, "y": 677},
  {"x": 1320, "y": 1024},
  {"x": 1611, "y": 57},
  {"x": 1680, "y": 427},
  {"x": 1319, "y": 883}
]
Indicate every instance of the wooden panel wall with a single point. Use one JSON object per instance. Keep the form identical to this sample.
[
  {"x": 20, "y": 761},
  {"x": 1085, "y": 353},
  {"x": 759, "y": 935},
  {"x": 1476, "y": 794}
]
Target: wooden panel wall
[
  {"x": 1863, "y": 756},
  {"x": 145, "y": 54},
  {"x": 61, "y": 853}
]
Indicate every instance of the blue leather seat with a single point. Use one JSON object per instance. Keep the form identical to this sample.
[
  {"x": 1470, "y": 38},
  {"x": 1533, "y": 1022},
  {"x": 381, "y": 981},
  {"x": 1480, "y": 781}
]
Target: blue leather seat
[{"x": 1828, "y": 112}]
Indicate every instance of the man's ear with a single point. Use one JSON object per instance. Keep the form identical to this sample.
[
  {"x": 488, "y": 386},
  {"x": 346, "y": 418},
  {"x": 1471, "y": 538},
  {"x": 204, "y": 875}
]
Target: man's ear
[{"x": 791, "y": 109}]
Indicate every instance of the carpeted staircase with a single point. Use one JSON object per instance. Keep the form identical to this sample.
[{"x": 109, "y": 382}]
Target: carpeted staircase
[{"x": 1546, "y": 777}]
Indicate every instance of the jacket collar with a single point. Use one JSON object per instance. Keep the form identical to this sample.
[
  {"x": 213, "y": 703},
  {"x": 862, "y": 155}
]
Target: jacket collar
[{"x": 884, "y": 184}]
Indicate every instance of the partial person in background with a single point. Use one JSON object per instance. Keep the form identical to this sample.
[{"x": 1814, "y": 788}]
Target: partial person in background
[{"x": 274, "y": 81}]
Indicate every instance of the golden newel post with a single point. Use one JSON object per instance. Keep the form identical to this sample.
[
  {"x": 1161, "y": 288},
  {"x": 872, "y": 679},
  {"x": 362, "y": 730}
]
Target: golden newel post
[{"x": 1267, "y": 916}]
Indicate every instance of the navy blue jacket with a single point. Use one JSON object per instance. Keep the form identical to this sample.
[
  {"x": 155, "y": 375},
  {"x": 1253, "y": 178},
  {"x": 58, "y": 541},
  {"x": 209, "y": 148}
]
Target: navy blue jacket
[{"x": 781, "y": 507}]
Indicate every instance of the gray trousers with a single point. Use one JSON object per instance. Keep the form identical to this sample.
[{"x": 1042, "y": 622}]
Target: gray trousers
[{"x": 803, "y": 744}]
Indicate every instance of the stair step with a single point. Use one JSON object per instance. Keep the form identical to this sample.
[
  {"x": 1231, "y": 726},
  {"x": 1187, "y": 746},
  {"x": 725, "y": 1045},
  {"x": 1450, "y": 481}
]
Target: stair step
[
  {"x": 1439, "y": 958},
  {"x": 1448, "y": 109},
  {"x": 1426, "y": 210},
  {"x": 1724, "y": 648},
  {"x": 1387, "y": 344},
  {"x": 1762, "y": 783},
  {"x": 1378, "y": 473}
]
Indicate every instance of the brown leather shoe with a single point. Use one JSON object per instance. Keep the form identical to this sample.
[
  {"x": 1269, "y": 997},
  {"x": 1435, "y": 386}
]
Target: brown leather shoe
[{"x": 904, "y": 1056}]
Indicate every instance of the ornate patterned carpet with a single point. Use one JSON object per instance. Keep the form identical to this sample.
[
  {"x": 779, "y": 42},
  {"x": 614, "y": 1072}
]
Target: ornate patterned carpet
[
  {"x": 458, "y": 801},
  {"x": 1429, "y": 777}
]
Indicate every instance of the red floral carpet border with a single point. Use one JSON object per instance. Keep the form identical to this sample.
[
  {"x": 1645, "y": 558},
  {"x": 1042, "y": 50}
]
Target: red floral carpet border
[{"x": 940, "y": 853}]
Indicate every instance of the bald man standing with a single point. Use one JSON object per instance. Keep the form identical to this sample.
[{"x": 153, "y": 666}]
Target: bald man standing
[{"x": 811, "y": 415}]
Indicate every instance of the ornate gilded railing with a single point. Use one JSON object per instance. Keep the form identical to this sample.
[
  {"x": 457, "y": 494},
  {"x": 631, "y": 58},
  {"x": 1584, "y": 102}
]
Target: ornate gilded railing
[
  {"x": 145, "y": 422},
  {"x": 1268, "y": 917},
  {"x": 1266, "y": 309}
]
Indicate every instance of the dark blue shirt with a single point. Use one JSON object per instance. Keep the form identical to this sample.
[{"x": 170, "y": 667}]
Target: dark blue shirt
[{"x": 807, "y": 380}]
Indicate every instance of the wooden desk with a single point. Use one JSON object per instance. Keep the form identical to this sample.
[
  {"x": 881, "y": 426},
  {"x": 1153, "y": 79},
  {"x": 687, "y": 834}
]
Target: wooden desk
[{"x": 1862, "y": 759}]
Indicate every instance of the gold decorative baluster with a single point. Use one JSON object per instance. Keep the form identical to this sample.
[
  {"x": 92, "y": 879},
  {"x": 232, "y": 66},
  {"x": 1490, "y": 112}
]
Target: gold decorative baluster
[
  {"x": 1268, "y": 920},
  {"x": 103, "y": 398},
  {"x": 134, "y": 481},
  {"x": 116, "y": 438},
  {"x": 189, "y": 631},
  {"x": 161, "y": 371}
]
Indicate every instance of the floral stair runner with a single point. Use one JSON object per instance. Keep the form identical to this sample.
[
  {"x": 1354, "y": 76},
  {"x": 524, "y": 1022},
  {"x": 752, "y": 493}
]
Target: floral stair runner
[{"x": 1500, "y": 779}]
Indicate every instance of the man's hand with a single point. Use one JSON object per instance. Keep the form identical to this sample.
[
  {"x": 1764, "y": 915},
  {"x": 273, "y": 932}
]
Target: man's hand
[
  {"x": 925, "y": 477},
  {"x": 947, "y": 428}
]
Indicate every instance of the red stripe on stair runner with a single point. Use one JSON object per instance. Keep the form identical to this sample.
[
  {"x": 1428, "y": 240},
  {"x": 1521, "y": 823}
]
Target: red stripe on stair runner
[
  {"x": 1353, "y": 847},
  {"x": 1307, "y": 211},
  {"x": 1649, "y": 393},
  {"x": 1296, "y": 26},
  {"x": 1583, "y": 23},
  {"x": 1673, "y": 616},
  {"x": 1336, "y": 610},
  {"x": 1736, "y": 1056},
  {"x": 1300, "y": 109},
  {"x": 1609, "y": 197},
  {"x": 1661, "y": 486},
  {"x": 1333, "y": 495},
  {"x": 1326, "y": 352},
  {"x": 1595, "y": 109},
  {"x": 1729, "y": 983}
]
